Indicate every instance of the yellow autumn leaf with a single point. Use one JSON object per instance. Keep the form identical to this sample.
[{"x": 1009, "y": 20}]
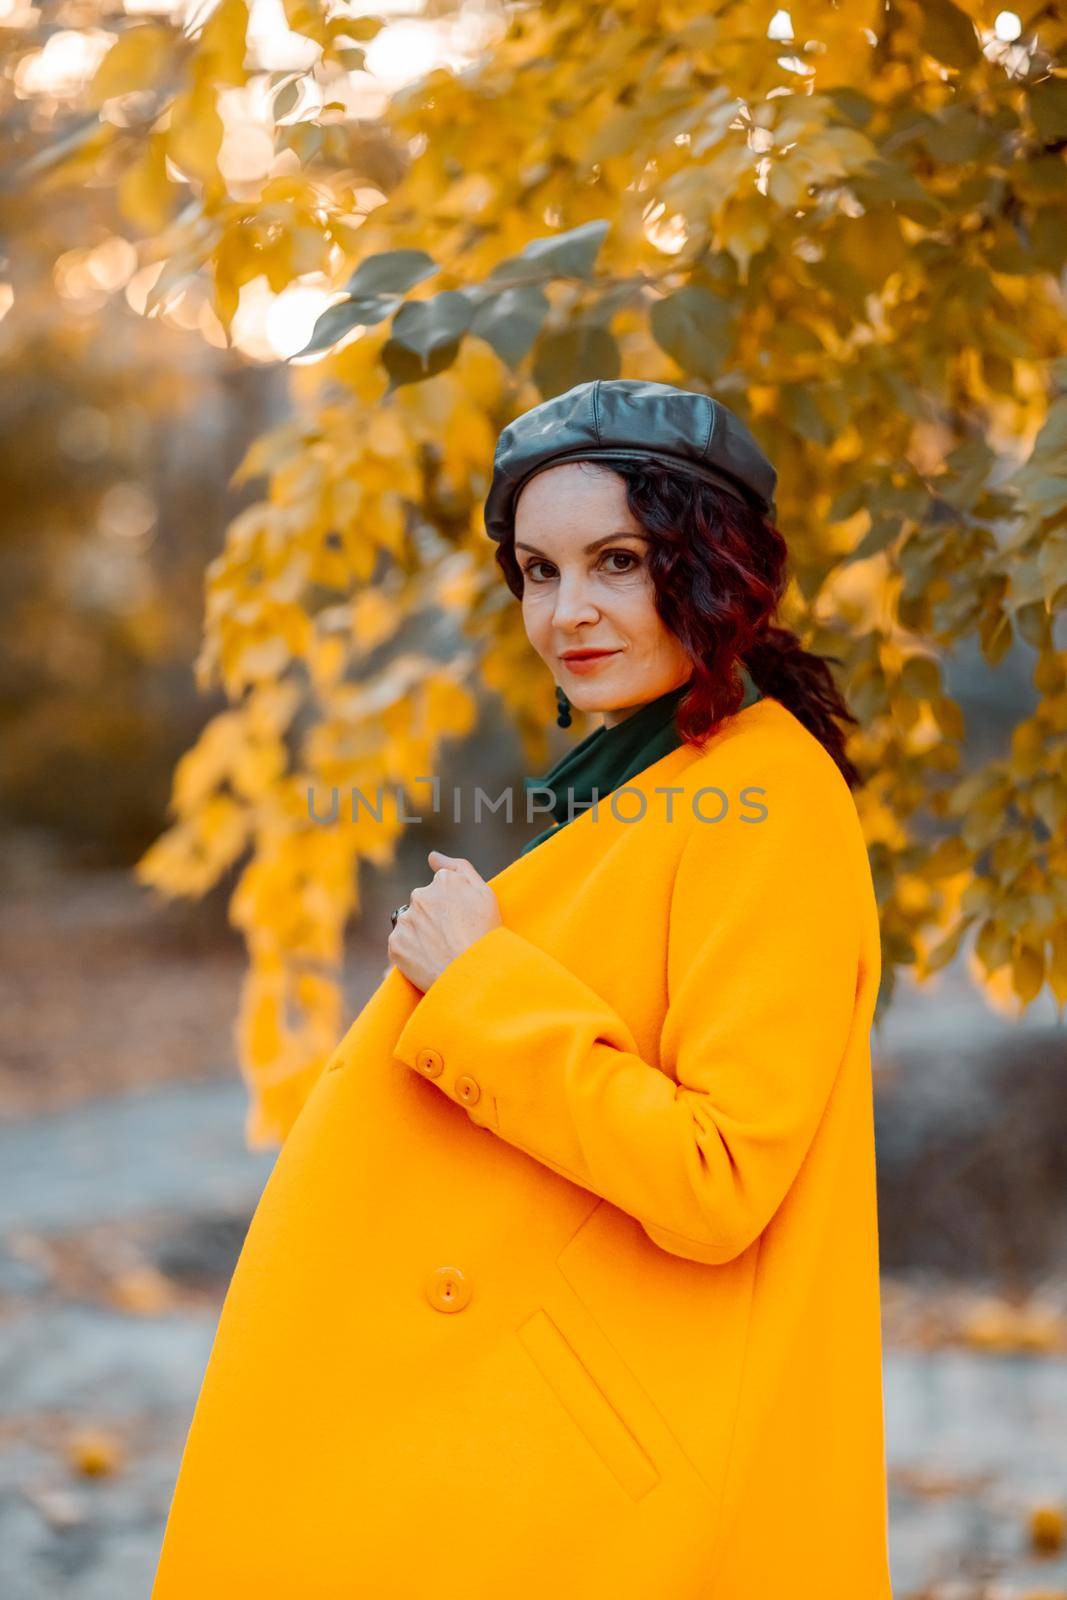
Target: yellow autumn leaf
[
  {"x": 137, "y": 60},
  {"x": 223, "y": 828},
  {"x": 256, "y": 766},
  {"x": 145, "y": 193},
  {"x": 386, "y": 436},
  {"x": 450, "y": 706},
  {"x": 195, "y": 135},
  {"x": 1047, "y": 1528},
  {"x": 1057, "y": 969},
  {"x": 326, "y": 660},
  {"x": 172, "y": 863},
  {"x": 458, "y": 586},
  {"x": 222, "y": 42},
  {"x": 390, "y": 522},
  {"x": 996, "y": 986},
  {"x": 94, "y": 1452},
  {"x": 843, "y": 36},
  {"x": 142, "y": 1291},
  {"x": 1028, "y": 971},
  {"x": 374, "y": 618}
]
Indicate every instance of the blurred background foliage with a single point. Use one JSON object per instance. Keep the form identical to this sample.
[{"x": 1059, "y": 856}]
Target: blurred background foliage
[{"x": 847, "y": 221}]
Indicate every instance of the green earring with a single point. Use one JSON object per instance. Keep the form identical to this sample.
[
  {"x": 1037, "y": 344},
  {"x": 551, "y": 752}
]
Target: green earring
[{"x": 563, "y": 708}]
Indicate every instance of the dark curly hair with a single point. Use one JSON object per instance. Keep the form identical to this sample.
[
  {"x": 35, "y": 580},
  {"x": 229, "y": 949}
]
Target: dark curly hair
[{"x": 718, "y": 568}]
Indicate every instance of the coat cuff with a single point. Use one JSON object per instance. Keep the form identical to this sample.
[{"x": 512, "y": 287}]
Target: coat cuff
[
  {"x": 472, "y": 1034},
  {"x": 435, "y": 1040}
]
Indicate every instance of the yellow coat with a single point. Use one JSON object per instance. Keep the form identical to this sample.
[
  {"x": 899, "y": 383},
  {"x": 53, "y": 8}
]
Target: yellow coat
[{"x": 565, "y": 1281}]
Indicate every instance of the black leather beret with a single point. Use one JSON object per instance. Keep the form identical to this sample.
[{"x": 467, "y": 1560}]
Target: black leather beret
[{"x": 629, "y": 419}]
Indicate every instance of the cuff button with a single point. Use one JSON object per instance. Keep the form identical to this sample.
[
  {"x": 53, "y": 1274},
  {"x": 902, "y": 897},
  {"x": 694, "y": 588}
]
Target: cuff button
[
  {"x": 430, "y": 1063},
  {"x": 468, "y": 1089}
]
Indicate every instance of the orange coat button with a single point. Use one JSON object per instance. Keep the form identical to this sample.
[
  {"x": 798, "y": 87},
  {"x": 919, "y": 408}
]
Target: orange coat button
[
  {"x": 468, "y": 1089},
  {"x": 430, "y": 1063},
  {"x": 447, "y": 1289}
]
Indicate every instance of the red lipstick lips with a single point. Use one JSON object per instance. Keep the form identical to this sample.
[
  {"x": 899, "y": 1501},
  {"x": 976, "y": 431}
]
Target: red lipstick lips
[{"x": 586, "y": 660}]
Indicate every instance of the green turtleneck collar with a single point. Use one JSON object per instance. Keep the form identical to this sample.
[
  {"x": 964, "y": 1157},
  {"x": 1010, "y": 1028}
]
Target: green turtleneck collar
[{"x": 609, "y": 757}]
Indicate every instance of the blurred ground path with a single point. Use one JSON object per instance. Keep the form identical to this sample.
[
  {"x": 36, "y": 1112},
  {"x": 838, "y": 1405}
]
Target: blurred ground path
[
  {"x": 120, "y": 1220},
  {"x": 975, "y": 1443},
  {"x": 180, "y": 1148}
]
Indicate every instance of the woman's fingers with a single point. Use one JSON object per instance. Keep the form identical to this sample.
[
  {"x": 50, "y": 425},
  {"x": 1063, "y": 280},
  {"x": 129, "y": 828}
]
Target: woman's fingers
[{"x": 438, "y": 859}]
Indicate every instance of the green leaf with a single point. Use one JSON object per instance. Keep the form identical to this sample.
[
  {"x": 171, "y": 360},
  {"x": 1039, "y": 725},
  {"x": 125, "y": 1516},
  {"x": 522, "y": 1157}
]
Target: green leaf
[
  {"x": 1048, "y": 238},
  {"x": 847, "y": 503},
  {"x": 1048, "y": 492},
  {"x": 286, "y": 99},
  {"x": 1042, "y": 179},
  {"x": 342, "y": 317},
  {"x": 967, "y": 468},
  {"x": 995, "y": 635},
  {"x": 882, "y": 532},
  {"x": 800, "y": 411},
  {"x": 957, "y": 134},
  {"x": 944, "y": 951},
  {"x": 1032, "y": 621},
  {"x": 1051, "y": 440},
  {"x": 392, "y": 272},
  {"x": 404, "y": 365},
  {"x": 949, "y": 717},
  {"x": 883, "y": 183},
  {"x": 575, "y": 355},
  {"x": 1007, "y": 254},
  {"x": 561, "y": 255},
  {"x": 305, "y": 138},
  {"x": 948, "y": 34},
  {"x": 853, "y": 105},
  {"x": 423, "y": 326},
  {"x": 920, "y": 678},
  {"x": 696, "y": 329},
  {"x": 840, "y": 279},
  {"x": 810, "y": 577},
  {"x": 1053, "y": 557},
  {"x": 1028, "y": 583},
  {"x": 511, "y": 321},
  {"x": 1048, "y": 107},
  {"x": 331, "y": 327}
]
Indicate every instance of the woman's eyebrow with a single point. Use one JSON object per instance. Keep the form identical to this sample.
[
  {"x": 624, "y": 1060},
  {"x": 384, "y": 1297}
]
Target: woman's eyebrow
[{"x": 623, "y": 533}]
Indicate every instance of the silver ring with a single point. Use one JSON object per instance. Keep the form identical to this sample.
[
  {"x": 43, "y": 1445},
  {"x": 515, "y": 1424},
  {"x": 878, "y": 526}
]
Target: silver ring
[{"x": 393, "y": 915}]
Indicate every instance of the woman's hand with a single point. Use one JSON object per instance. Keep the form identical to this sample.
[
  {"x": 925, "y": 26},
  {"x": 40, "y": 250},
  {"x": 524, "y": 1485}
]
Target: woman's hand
[{"x": 442, "y": 920}]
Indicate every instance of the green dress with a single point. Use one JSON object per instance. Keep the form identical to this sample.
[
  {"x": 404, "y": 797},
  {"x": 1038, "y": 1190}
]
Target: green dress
[{"x": 609, "y": 757}]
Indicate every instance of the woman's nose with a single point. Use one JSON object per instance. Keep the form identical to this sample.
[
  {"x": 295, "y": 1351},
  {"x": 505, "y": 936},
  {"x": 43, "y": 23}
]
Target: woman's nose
[{"x": 574, "y": 604}]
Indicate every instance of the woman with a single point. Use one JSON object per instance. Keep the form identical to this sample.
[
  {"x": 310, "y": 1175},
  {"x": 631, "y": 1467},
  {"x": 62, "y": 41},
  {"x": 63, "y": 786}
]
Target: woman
[{"x": 566, "y": 1277}]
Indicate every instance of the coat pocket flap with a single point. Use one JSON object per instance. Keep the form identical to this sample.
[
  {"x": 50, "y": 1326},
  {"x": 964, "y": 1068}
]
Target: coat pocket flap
[{"x": 592, "y": 1411}]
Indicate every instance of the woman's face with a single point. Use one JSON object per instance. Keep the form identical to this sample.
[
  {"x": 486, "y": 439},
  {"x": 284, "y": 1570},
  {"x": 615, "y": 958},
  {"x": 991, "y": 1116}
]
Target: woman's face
[{"x": 586, "y": 587}]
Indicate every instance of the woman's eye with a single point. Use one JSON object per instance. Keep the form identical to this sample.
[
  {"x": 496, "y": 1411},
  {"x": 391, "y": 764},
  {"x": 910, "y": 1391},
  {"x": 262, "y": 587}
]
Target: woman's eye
[
  {"x": 528, "y": 569},
  {"x": 626, "y": 555}
]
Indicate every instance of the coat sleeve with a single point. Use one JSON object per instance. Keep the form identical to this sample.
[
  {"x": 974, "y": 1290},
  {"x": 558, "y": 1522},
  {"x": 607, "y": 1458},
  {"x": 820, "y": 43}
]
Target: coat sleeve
[{"x": 763, "y": 966}]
